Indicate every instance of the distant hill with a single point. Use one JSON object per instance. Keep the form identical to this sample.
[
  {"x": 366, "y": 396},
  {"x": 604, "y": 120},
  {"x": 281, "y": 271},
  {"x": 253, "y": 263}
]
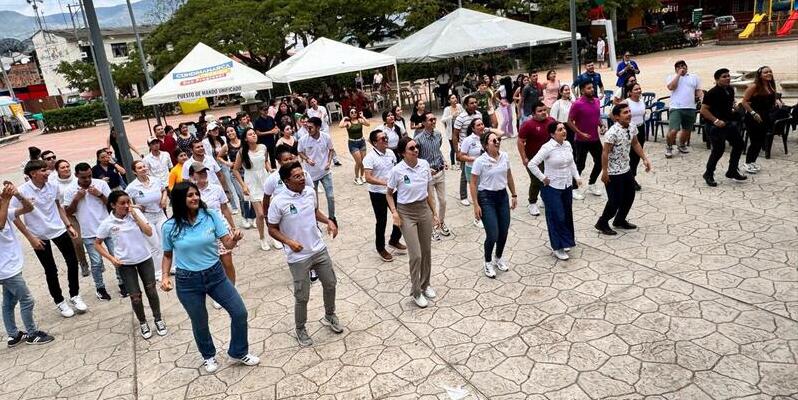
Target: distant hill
[{"x": 19, "y": 26}]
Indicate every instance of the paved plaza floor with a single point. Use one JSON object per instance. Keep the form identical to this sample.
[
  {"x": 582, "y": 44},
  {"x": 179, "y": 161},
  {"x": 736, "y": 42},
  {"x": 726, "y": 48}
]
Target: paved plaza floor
[{"x": 700, "y": 302}]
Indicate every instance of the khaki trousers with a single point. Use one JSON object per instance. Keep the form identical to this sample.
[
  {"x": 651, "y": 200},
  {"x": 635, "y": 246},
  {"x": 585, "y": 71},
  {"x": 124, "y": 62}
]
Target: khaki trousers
[
  {"x": 417, "y": 230},
  {"x": 437, "y": 186}
]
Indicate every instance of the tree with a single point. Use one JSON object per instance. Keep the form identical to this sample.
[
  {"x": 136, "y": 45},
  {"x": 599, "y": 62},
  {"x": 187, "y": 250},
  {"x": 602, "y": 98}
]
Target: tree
[{"x": 80, "y": 75}]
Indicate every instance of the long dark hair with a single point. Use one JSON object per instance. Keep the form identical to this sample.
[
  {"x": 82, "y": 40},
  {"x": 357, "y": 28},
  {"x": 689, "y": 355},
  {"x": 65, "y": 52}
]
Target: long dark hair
[
  {"x": 179, "y": 208},
  {"x": 760, "y": 85},
  {"x": 245, "y": 150},
  {"x": 214, "y": 140},
  {"x": 470, "y": 129},
  {"x": 415, "y": 107},
  {"x": 507, "y": 82},
  {"x": 115, "y": 196}
]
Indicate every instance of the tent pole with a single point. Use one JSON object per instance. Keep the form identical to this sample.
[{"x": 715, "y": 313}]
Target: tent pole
[
  {"x": 290, "y": 92},
  {"x": 398, "y": 88}
]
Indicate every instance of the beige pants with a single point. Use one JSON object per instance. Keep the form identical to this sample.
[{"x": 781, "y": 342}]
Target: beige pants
[
  {"x": 437, "y": 185},
  {"x": 417, "y": 230}
]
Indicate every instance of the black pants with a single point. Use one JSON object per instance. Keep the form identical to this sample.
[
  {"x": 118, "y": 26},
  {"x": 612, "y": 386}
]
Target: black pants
[
  {"x": 271, "y": 147},
  {"x": 443, "y": 94},
  {"x": 582, "y": 149},
  {"x": 45, "y": 256},
  {"x": 718, "y": 138},
  {"x": 634, "y": 159},
  {"x": 451, "y": 153},
  {"x": 620, "y": 197},
  {"x": 756, "y": 133},
  {"x": 130, "y": 277},
  {"x": 380, "y": 205}
]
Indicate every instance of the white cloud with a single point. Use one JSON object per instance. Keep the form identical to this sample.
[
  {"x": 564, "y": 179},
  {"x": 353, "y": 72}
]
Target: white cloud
[{"x": 50, "y": 6}]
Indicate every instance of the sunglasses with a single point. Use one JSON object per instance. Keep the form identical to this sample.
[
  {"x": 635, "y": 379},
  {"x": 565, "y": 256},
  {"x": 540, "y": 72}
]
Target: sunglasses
[
  {"x": 432, "y": 120},
  {"x": 412, "y": 148},
  {"x": 496, "y": 141},
  {"x": 49, "y": 158}
]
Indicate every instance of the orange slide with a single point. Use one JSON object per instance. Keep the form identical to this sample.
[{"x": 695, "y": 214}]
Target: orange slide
[{"x": 787, "y": 27}]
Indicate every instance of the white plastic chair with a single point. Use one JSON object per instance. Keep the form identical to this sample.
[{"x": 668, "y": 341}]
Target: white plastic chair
[{"x": 333, "y": 109}]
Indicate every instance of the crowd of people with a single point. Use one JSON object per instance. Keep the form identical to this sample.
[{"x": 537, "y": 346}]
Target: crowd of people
[{"x": 174, "y": 224}]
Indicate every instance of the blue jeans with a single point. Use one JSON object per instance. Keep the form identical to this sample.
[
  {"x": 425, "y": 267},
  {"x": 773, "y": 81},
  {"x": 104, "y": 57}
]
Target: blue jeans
[
  {"x": 246, "y": 207},
  {"x": 230, "y": 188},
  {"x": 96, "y": 262},
  {"x": 327, "y": 183},
  {"x": 192, "y": 288},
  {"x": 16, "y": 291},
  {"x": 495, "y": 207},
  {"x": 559, "y": 216}
]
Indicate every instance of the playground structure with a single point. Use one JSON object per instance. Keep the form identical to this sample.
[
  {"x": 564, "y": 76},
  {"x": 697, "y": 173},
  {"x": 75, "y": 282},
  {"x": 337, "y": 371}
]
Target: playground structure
[{"x": 767, "y": 17}]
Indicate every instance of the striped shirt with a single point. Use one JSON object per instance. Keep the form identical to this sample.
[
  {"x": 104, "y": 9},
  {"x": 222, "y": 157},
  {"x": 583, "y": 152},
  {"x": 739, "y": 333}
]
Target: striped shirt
[
  {"x": 464, "y": 120},
  {"x": 429, "y": 148}
]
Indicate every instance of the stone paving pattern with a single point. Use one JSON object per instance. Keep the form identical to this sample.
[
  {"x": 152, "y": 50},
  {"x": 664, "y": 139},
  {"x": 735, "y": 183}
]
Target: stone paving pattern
[{"x": 701, "y": 302}]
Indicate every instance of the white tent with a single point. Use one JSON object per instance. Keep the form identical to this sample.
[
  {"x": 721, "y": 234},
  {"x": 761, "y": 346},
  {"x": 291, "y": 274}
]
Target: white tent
[
  {"x": 324, "y": 57},
  {"x": 205, "y": 72},
  {"x": 467, "y": 32}
]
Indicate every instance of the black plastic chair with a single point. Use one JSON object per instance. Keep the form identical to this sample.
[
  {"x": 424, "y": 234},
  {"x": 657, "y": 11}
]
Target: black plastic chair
[{"x": 780, "y": 129}]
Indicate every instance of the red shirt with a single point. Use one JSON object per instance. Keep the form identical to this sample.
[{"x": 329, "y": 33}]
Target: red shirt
[
  {"x": 169, "y": 144},
  {"x": 536, "y": 134}
]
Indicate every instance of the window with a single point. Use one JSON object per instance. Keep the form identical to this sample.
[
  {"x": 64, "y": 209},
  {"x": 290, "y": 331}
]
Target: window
[
  {"x": 86, "y": 54},
  {"x": 119, "y": 50}
]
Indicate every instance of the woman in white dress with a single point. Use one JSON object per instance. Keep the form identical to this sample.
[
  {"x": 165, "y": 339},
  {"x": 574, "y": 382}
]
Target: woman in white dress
[
  {"x": 253, "y": 158},
  {"x": 450, "y": 113},
  {"x": 150, "y": 195}
]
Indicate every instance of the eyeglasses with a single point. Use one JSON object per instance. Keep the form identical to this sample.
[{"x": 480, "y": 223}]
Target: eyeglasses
[
  {"x": 496, "y": 141},
  {"x": 432, "y": 120},
  {"x": 412, "y": 148},
  {"x": 382, "y": 139}
]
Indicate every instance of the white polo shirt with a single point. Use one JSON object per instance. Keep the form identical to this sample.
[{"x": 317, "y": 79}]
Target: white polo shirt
[
  {"x": 159, "y": 167},
  {"x": 295, "y": 213},
  {"x": 317, "y": 150},
  {"x": 274, "y": 185},
  {"x": 129, "y": 241},
  {"x": 410, "y": 183},
  {"x": 90, "y": 210},
  {"x": 148, "y": 196},
  {"x": 683, "y": 97},
  {"x": 492, "y": 172},
  {"x": 471, "y": 146},
  {"x": 208, "y": 162},
  {"x": 44, "y": 221},
  {"x": 213, "y": 196},
  {"x": 380, "y": 166},
  {"x": 11, "y": 261}
]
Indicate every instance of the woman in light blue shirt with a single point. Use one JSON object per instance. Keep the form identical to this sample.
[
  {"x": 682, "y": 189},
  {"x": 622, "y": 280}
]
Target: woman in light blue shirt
[{"x": 190, "y": 237}]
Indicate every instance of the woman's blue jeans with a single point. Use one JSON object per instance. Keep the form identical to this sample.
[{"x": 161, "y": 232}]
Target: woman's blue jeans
[
  {"x": 246, "y": 208},
  {"x": 228, "y": 176},
  {"x": 192, "y": 287},
  {"x": 495, "y": 207},
  {"x": 559, "y": 216}
]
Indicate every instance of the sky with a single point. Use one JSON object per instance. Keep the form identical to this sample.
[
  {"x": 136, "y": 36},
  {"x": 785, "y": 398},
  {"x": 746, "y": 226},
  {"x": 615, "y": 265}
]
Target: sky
[{"x": 49, "y": 6}]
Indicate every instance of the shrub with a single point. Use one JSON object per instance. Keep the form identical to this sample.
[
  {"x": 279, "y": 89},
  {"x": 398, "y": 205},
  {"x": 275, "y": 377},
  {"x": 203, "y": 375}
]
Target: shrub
[
  {"x": 655, "y": 42},
  {"x": 67, "y": 118}
]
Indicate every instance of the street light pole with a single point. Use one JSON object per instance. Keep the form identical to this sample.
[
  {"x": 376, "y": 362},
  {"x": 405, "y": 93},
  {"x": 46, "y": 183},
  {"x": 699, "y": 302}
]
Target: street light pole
[
  {"x": 141, "y": 56},
  {"x": 107, "y": 82},
  {"x": 574, "y": 51}
]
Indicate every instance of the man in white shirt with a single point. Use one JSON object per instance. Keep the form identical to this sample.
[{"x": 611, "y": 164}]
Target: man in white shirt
[
  {"x": 316, "y": 150},
  {"x": 15, "y": 290},
  {"x": 601, "y": 45},
  {"x": 86, "y": 199},
  {"x": 214, "y": 170},
  {"x": 377, "y": 79},
  {"x": 459, "y": 131},
  {"x": 685, "y": 88},
  {"x": 443, "y": 82},
  {"x": 315, "y": 110},
  {"x": 292, "y": 218},
  {"x": 158, "y": 162},
  {"x": 48, "y": 224}
]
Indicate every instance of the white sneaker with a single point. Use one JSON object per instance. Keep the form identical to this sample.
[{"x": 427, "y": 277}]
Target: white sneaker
[
  {"x": 577, "y": 194},
  {"x": 144, "y": 328},
  {"x": 595, "y": 190},
  {"x": 669, "y": 151},
  {"x": 533, "y": 210},
  {"x": 567, "y": 249},
  {"x": 489, "y": 271},
  {"x": 757, "y": 166},
  {"x": 541, "y": 203},
  {"x": 562, "y": 255},
  {"x": 264, "y": 245},
  {"x": 276, "y": 244},
  {"x": 429, "y": 293},
  {"x": 435, "y": 235},
  {"x": 465, "y": 202},
  {"x": 421, "y": 301},
  {"x": 78, "y": 303},
  {"x": 478, "y": 224},
  {"x": 64, "y": 309},
  {"x": 210, "y": 365},
  {"x": 250, "y": 360},
  {"x": 749, "y": 168},
  {"x": 501, "y": 265},
  {"x": 216, "y": 305},
  {"x": 234, "y": 211},
  {"x": 245, "y": 224}
]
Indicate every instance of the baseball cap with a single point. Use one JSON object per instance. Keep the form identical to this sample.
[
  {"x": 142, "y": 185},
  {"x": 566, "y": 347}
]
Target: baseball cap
[
  {"x": 153, "y": 140},
  {"x": 196, "y": 166},
  {"x": 212, "y": 125}
]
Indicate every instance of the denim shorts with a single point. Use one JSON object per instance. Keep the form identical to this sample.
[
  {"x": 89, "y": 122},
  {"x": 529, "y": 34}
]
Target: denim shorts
[{"x": 356, "y": 145}]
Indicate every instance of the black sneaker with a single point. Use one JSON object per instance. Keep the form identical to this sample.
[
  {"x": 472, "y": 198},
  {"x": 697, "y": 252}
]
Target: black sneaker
[
  {"x": 17, "y": 339},
  {"x": 313, "y": 276},
  {"x": 736, "y": 176},
  {"x": 710, "y": 180},
  {"x": 123, "y": 292},
  {"x": 102, "y": 294},
  {"x": 146, "y": 333},
  {"x": 637, "y": 187},
  {"x": 624, "y": 225},
  {"x": 39, "y": 337},
  {"x": 84, "y": 269},
  {"x": 605, "y": 229},
  {"x": 337, "y": 163}
]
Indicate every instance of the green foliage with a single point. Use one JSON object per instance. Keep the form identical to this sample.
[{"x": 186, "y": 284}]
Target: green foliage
[
  {"x": 68, "y": 118},
  {"x": 655, "y": 42},
  {"x": 80, "y": 75}
]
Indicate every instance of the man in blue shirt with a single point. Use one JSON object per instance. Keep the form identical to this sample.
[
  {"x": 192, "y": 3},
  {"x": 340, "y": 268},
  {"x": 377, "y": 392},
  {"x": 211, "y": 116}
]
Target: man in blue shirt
[
  {"x": 626, "y": 69},
  {"x": 590, "y": 75}
]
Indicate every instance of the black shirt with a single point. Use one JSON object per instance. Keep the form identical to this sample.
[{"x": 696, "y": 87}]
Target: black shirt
[
  {"x": 264, "y": 124},
  {"x": 114, "y": 179},
  {"x": 720, "y": 101},
  {"x": 416, "y": 119}
]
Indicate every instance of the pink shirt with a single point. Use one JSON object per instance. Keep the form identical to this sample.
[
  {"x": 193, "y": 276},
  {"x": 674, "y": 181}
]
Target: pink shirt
[{"x": 587, "y": 115}]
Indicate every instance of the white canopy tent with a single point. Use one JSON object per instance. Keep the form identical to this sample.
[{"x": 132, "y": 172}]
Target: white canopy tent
[
  {"x": 324, "y": 57},
  {"x": 205, "y": 72},
  {"x": 466, "y": 32}
]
